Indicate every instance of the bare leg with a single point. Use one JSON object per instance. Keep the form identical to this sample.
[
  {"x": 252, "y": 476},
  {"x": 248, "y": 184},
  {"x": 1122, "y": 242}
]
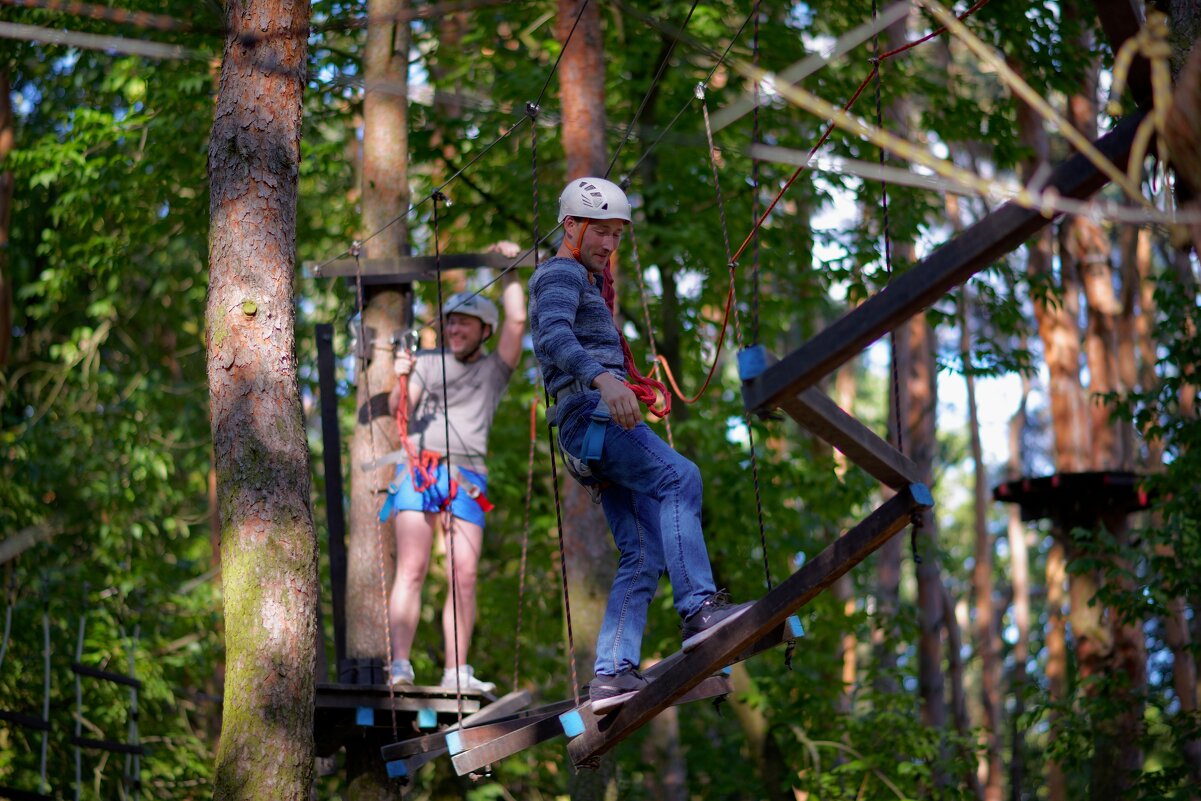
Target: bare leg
[
  {"x": 414, "y": 538},
  {"x": 463, "y": 541}
]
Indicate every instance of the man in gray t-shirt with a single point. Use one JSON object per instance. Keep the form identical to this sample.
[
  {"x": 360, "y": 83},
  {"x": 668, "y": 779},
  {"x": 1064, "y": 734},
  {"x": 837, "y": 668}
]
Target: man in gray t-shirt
[{"x": 448, "y": 431}]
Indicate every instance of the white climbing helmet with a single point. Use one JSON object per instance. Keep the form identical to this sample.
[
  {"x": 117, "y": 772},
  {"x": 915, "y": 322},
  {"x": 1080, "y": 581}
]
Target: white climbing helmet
[
  {"x": 594, "y": 199},
  {"x": 472, "y": 305}
]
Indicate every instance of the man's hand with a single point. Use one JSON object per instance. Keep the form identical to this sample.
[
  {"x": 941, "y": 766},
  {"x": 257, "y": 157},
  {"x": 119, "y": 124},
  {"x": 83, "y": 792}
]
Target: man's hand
[
  {"x": 403, "y": 362},
  {"x": 620, "y": 399}
]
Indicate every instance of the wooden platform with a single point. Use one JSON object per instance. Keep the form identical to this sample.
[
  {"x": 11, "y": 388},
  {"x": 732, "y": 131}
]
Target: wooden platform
[
  {"x": 337, "y": 717},
  {"x": 1076, "y": 498}
]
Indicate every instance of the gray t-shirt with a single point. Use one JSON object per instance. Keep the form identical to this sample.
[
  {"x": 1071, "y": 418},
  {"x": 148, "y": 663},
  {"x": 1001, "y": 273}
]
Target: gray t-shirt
[{"x": 473, "y": 392}]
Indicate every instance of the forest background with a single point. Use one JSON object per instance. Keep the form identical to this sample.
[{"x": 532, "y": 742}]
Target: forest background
[{"x": 1015, "y": 660}]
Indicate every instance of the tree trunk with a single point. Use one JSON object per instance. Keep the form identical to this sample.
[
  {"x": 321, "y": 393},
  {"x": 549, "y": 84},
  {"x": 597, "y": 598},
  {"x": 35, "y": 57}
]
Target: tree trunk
[
  {"x": 845, "y": 384},
  {"x": 1019, "y": 571},
  {"x": 589, "y": 552},
  {"x": 987, "y": 645},
  {"x": 388, "y": 312},
  {"x": 385, "y": 196},
  {"x": 269, "y": 550},
  {"x": 7, "y": 142},
  {"x": 1057, "y": 658}
]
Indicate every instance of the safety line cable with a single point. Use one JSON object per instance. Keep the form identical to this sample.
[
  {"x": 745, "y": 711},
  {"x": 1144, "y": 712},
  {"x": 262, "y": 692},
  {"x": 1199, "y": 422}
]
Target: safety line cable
[
  {"x": 365, "y": 356},
  {"x": 554, "y": 480},
  {"x": 525, "y": 539},
  {"x": 562, "y": 50},
  {"x": 646, "y": 316},
  {"x": 731, "y": 304},
  {"x": 449, "y": 529},
  {"x": 649, "y": 92},
  {"x": 713, "y": 71}
]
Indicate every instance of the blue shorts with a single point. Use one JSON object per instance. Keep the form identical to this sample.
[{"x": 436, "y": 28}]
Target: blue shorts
[{"x": 403, "y": 497}]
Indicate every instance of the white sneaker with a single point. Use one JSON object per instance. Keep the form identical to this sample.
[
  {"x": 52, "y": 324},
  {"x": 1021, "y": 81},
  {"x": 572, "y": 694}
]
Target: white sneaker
[
  {"x": 400, "y": 672},
  {"x": 466, "y": 681}
]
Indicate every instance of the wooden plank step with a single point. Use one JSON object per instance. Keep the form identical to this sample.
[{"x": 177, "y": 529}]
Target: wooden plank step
[
  {"x": 106, "y": 675},
  {"x": 981, "y": 245},
  {"x": 108, "y": 745},
  {"x": 25, "y": 721},
  {"x": 14, "y": 794},
  {"x": 765, "y": 617},
  {"x": 550, "y": 726},
  {"x": 418, "y": 745}
]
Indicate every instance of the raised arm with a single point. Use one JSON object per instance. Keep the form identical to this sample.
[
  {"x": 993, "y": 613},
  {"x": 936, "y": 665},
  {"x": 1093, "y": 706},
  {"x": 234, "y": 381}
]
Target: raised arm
[{"x": 512, "y": 329}]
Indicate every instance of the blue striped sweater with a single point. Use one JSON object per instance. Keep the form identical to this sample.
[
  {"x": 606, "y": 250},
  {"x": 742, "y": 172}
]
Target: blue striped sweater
[{"x": 574, "y": 335}]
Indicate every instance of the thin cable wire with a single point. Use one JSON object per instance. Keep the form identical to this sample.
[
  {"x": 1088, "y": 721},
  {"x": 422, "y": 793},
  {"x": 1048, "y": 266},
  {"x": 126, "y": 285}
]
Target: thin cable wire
[
  {"x": 525, "y": 540},
  {"x": 437, "y": 191},
  {"x": 449, "y": 529},
  {"x": 650, "y": 90},
  {"x": 646, "y": 317},
  {"x": 713, "y": 71},
  {"x": 562, "y": 50},
  {"x": 732, "y": 304}
]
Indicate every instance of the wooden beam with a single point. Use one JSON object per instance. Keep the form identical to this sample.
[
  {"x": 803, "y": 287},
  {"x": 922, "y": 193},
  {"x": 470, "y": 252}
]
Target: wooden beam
[
  {"x": 488, "y": 716},
  {"x": 105, "y": 675},
  {"x": 954, "y": 263},
  {"x": 817, "y": 412},
  {"x": 23, "y": 540},
  {"x": 770, "y": 612},
  {"x": 335, "y": 514},
  {"x": 404, "y": 269},
  {"x": 544, "y": 728}
]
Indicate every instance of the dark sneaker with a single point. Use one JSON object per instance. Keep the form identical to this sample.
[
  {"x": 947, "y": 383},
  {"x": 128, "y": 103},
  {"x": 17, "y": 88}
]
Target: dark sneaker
[
  {"x": 714, "y": 613},
  {"x": 609, "y": 692}
]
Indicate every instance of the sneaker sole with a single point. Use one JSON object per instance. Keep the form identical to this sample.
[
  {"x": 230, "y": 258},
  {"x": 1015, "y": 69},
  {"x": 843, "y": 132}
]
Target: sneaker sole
[
  {"x": 692, "y": 642},
  {"x": 612, "y": 702}
]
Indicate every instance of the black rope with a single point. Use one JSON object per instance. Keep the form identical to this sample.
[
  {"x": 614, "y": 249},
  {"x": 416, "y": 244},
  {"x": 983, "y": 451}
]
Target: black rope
[
  {"x": 713, "y": 71},
  {"x": 650, "y": 90},
  {"x": 887, "y": 232},
  {"x": 448, "y": 526},
  {"x": 725, "y": 238}
]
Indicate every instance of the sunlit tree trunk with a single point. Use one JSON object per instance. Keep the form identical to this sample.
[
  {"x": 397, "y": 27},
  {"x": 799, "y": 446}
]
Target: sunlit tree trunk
[
  {"x": 1019, "y": 574},
  {"x": 268, "y": 548},
  {"x": 1056, "y": 318},
  {"x": 845, "y": 387},
  {"x": 386, "y": 312}
]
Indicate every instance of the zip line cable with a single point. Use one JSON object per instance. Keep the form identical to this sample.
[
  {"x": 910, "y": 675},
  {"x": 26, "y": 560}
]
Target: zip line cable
[{"x": 649, "y": 92}]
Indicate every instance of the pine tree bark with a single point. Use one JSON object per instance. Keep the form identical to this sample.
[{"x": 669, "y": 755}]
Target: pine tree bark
[
  {"x": 1019, "y": 572},
  {"x": 269, "y": 550},
  {"x": 7, "y": 142}
]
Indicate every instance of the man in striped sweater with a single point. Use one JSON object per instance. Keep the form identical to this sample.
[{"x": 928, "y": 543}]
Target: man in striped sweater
[{"x": 651, "y": 495}]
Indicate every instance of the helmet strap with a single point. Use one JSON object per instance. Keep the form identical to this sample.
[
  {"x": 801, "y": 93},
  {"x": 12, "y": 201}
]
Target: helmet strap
[{"x": 575, "y": 248}]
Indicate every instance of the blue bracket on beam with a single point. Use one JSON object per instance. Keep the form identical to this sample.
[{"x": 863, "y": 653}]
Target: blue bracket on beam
[
  {"x": 454, "y": 743},
  {"x": 427, "y": 718},
  {"x": 727, "y": 671},
  {"x": 794, "y": 626},
  {"x": 397, "y": 769},
  {"x": 573, "y": 724},
  {"x": 751, "y": 362},
  {"x": 921, "y": 494},
  {"x": 364, "y": 716}
]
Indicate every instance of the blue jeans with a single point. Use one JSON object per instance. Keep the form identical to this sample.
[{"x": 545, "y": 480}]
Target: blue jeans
[{"x": 653, "y": 506}]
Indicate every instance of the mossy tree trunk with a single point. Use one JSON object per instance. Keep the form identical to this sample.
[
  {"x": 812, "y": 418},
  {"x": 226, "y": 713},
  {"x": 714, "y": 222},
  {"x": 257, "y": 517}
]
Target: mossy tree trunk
[{"x": 268, "y": 548}]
